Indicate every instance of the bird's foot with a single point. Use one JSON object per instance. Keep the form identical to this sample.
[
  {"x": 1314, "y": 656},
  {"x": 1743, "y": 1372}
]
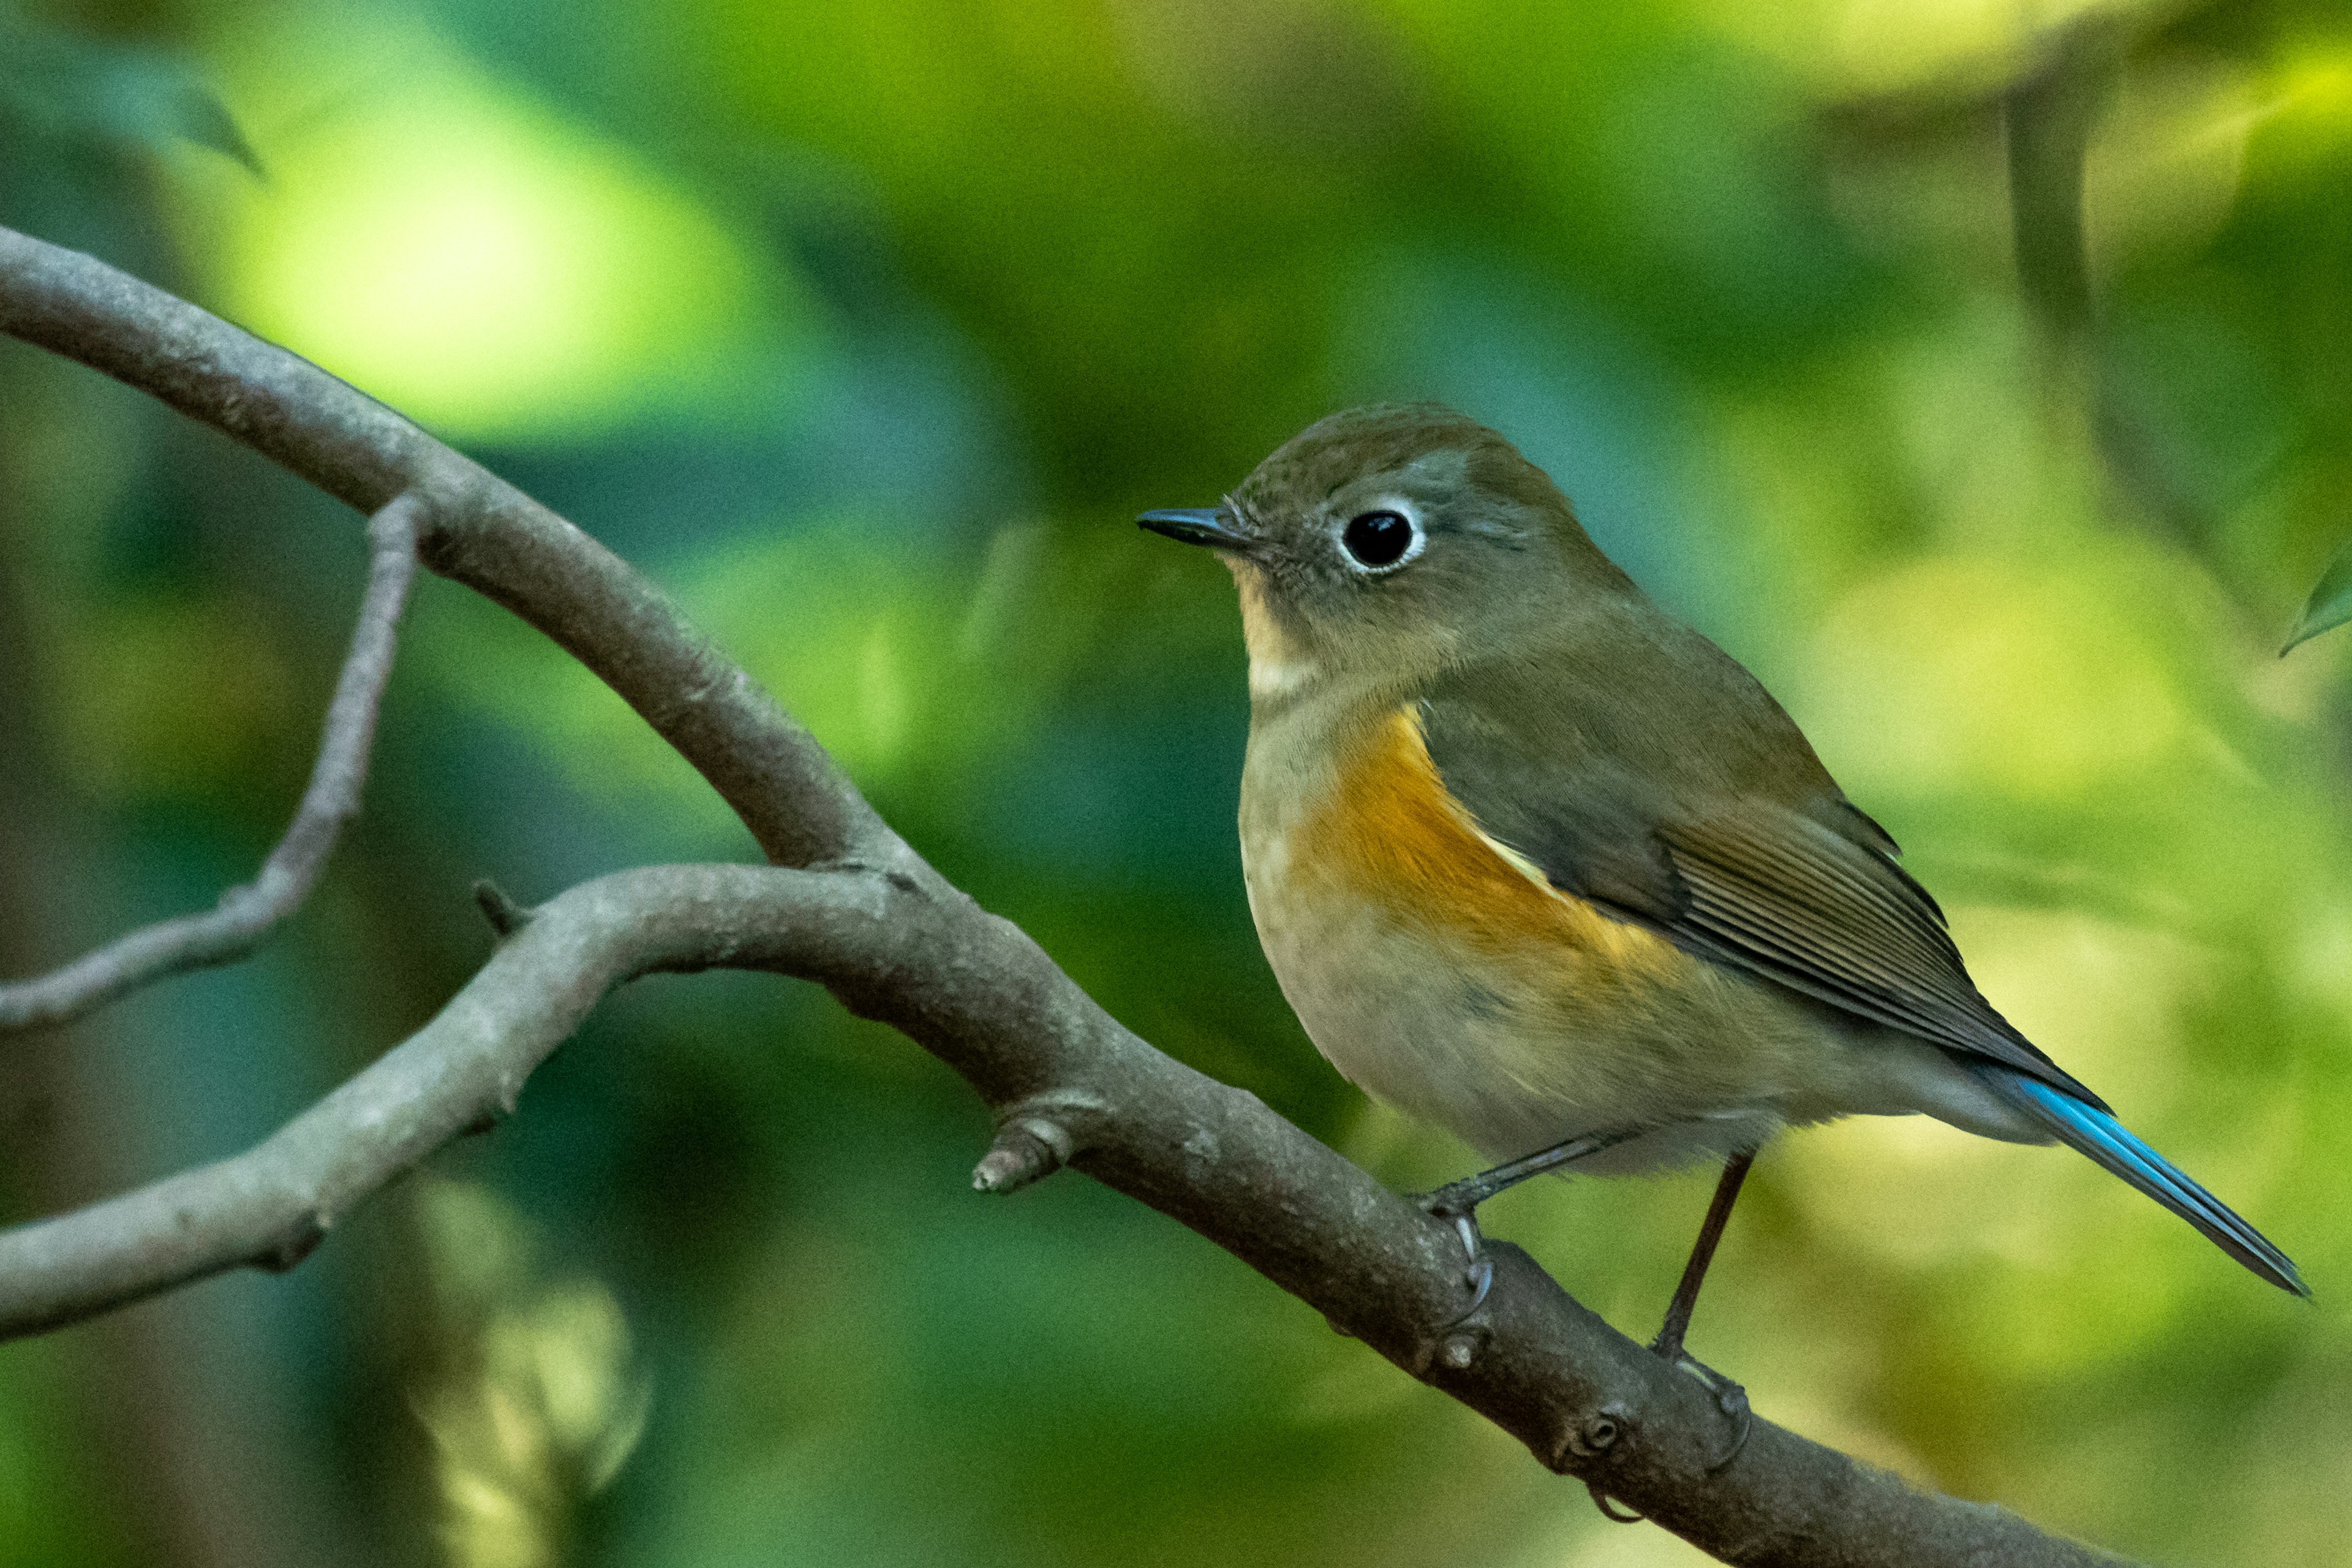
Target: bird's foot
[
  {"x": 1729, "y": 1397},
  {"x": 1457, "y": 1202}
]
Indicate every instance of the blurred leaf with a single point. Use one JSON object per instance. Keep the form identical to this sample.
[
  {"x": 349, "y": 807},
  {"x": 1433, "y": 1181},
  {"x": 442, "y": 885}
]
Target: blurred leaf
[
  {"x": 2330, "y": 605},
  {"x": 450, "y": 244},
  {"x": 205, "y": 120},
  {"x": 68, "y": 89}
]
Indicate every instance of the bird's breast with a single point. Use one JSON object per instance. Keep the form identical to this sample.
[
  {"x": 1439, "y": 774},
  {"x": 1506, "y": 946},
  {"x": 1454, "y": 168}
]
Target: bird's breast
[{"x": 1444, "y": 975}]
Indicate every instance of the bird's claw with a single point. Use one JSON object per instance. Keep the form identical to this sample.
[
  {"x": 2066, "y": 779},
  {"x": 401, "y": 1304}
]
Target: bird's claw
[
  {"x": 1478, "y": 1271},
  {"x": 1480, "y": 1277},
  {"x": 1729, "y": 1397}
]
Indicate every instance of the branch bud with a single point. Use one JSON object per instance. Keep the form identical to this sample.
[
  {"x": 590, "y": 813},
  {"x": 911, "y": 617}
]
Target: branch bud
[{"x": 1024, "y": 1150}]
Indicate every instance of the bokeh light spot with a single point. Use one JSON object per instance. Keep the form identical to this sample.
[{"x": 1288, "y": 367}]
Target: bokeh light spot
[{"x": 446, "y": 244}]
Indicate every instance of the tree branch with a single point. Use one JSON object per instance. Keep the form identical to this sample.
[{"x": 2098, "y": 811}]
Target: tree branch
[
  {"x": 235, "y": 927},
  {"x": 476, "y": 530},
  {"x": 894, "y": 942},
  {"x": 268, "y": 1206}
]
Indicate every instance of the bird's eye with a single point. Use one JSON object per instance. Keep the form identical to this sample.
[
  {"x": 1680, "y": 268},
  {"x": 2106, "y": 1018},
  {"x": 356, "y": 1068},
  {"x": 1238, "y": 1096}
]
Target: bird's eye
[{"x": 1378, "y": 539}]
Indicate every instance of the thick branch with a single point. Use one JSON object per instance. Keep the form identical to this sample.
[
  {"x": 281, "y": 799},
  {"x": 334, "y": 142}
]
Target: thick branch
[
  {"x": 235, "y": 926},
  {"x": 896, "y": 942},
  {"x": 974, "y": 990}
]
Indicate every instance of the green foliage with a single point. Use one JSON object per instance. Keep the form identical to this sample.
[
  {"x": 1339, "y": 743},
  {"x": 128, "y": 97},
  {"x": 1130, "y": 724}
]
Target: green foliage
[
  {"x": 60, "y": 86},
  {"x": 2330, "y": 605},
  {"x": 867, "y": 326}
]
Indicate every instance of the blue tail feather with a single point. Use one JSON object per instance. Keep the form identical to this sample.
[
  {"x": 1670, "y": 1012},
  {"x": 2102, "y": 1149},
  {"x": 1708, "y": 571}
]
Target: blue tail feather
[{"x": 2094, "y": 1132}]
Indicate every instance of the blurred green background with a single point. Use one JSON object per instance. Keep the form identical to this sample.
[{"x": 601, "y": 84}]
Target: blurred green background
[{"x": 866, "y": 327}]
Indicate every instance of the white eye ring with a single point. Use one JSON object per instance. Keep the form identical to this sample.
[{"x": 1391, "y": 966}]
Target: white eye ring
[{"x": 1367, "y": 555}]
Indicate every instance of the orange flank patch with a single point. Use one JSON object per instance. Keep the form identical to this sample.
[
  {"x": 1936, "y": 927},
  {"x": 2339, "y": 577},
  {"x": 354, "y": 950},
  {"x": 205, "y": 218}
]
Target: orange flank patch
[{"x": 1389, "y": 832}]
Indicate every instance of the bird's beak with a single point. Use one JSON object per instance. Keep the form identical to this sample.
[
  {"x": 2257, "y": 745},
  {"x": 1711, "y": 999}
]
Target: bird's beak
[{"x": 1211, "y": 525}]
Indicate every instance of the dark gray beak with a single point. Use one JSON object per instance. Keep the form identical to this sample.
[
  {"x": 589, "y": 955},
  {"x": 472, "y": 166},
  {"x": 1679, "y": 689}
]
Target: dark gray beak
[{"x": 1209, "y": 525}]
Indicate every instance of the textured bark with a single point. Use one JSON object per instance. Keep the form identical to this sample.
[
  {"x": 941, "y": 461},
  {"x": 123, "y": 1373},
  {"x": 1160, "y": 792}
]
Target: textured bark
[{"x": 847, "y": 904}]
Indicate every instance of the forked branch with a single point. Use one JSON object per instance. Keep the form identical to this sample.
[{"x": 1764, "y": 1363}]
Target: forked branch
[{"x": 851, "y": 906}]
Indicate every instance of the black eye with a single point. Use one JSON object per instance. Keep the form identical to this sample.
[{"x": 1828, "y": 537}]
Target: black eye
[{"x": 1377, "y": 538}]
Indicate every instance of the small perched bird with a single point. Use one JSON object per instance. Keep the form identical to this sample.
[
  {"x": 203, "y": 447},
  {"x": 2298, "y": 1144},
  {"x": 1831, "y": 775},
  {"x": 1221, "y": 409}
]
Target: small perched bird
[{"x": 1534, "y": 862}]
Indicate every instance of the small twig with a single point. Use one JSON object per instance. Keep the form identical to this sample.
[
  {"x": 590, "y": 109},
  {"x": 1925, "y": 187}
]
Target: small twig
[
  {"x": 1027, "y": 1148},
  {"x": 235, "y": 927},
  {"x": 505, "y": 916}
]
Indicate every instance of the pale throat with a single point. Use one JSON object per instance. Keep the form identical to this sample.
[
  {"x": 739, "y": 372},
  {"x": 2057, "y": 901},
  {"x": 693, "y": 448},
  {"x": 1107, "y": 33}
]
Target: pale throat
[{"x": 1279, "y": 666}]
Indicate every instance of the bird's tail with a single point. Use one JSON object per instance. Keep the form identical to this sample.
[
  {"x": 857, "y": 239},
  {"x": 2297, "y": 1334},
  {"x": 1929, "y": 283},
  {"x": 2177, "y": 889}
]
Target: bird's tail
[{"x": 2103, "y": 1138}]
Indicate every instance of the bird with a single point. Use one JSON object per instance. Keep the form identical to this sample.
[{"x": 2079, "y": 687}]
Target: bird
[{"x": 1534, "y": 862}]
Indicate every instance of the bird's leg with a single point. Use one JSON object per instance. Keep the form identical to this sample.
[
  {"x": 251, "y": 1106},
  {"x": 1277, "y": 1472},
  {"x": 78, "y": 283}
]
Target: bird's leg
[
  {"x": 1459, "y": 1201},
  {"x": 1728, "y": 1395}
]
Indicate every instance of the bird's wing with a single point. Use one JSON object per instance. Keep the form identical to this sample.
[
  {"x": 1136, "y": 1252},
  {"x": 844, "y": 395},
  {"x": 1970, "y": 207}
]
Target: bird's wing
[{"x": 1787, "y": 889}]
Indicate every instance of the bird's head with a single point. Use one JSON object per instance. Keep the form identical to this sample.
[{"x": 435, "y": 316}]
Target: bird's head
[{"x": 1392, "y": 539}]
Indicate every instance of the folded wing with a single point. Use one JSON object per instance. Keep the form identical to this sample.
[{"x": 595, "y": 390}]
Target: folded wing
[{"x": 1784, "y": 880}]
